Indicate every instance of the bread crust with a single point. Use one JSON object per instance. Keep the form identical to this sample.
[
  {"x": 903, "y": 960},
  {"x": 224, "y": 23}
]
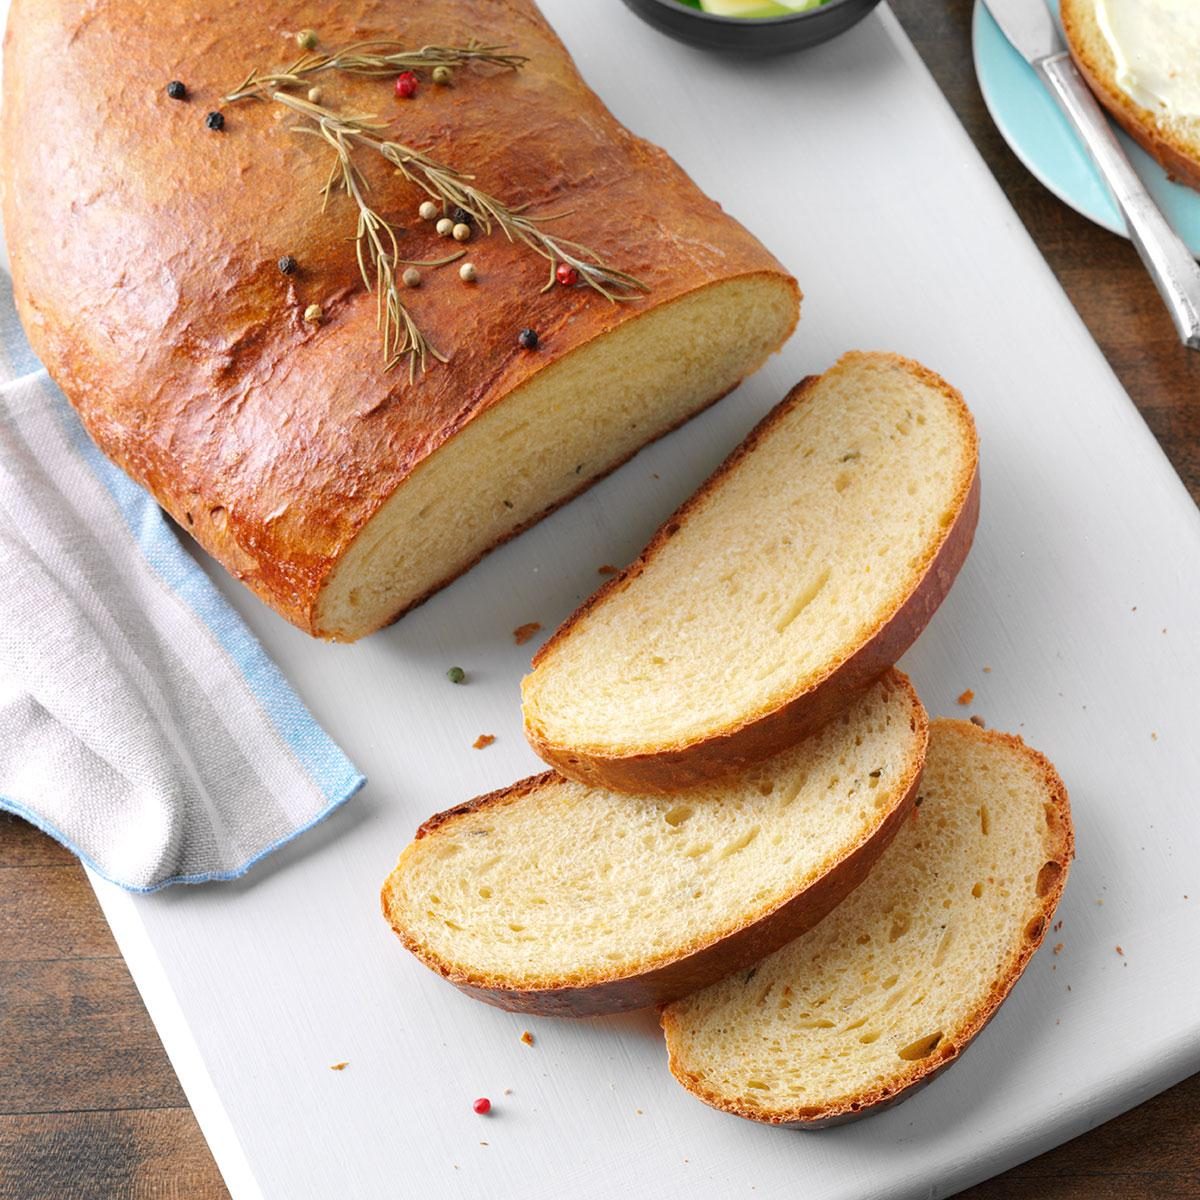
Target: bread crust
[
  {"x": 955, "y": 1041},
  {"x": 1174, "y": 155},
  {"x": 768, "y": 730},
  {"x": 756, "y": 934},
  {"x": 144, "y": 252}
]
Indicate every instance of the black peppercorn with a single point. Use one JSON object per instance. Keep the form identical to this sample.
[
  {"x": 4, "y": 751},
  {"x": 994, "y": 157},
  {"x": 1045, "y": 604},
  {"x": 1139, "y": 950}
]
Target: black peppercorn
[
  {"x": 528, "y": 339},
  {"x": 460, "y": 216},
  {"x": 215, "y": 120},
  {"x": 176, "y": 90},
  {"x": 287, "y": 264}
]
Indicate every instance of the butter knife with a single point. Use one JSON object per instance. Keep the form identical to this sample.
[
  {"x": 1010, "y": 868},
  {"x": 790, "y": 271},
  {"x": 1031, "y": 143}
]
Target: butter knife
[{"x": 1029, "y": 26}]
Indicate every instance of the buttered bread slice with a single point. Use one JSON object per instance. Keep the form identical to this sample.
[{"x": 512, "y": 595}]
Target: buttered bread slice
[
  {"x": 554, "y": 897},
  {"x": 805, "y": 566},
  {"x": 1142, "y": 59},
  {"x": 890, "y": 988}
]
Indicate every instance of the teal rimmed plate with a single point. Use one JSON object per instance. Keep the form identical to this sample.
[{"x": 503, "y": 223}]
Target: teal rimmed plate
[{"x": 1040, "y": 136}]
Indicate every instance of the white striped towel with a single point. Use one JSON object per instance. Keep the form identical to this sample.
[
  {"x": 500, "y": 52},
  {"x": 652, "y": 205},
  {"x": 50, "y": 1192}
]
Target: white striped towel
[{"x": 141, "y": 724}]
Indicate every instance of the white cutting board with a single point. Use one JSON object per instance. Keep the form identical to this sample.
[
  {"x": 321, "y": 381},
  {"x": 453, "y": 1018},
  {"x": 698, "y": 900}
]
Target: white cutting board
[{"x": 850, "y": 165}]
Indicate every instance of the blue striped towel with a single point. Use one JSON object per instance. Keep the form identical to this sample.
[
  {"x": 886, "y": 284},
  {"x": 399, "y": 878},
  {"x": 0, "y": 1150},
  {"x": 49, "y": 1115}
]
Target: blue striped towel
[{"x": 141, "y": 724}]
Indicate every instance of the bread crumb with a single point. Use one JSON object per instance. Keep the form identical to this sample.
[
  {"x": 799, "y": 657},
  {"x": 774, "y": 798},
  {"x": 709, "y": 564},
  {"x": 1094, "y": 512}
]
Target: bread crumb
[
  {"x": 987, "y": 670},
  {"x": 638, "y": 1111},
  {"x": 1153, "y": 736},
  {"x": 1120, "y": 952},
  {"x": 966, "y": 697},
  {"x": 976, "y": 719},
  {"x": 608, "y": 569},
  {"x": 339, "y": 1066},
  {"x": 1057, "y": 926},
  {"x": 483, "y": 741},
  {"x": 508, "y": 1091},
  {"x": 1058, "y": 948},
  {"x": 527, "y": 1038},
  {"x": 523, "y": 633}
]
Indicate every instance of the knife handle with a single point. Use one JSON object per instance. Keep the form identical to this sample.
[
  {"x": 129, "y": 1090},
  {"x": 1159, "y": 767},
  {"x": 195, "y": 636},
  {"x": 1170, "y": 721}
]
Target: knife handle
[{"x": 1170, "y": 263}]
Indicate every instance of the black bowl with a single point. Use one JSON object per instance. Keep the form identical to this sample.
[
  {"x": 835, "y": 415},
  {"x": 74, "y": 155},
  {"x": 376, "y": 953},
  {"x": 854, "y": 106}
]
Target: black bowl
[{"x": 755, "y": 35}]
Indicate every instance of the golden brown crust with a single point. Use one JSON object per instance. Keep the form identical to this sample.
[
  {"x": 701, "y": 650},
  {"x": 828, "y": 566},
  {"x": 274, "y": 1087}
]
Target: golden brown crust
[
  {"x": 955, "y": 1041},
  {"x": 144, "y": 253},
  {"x": 756, "y": 935},
  {"x": 769, "y": 730},
  {"x": 1176, "y": 157}
]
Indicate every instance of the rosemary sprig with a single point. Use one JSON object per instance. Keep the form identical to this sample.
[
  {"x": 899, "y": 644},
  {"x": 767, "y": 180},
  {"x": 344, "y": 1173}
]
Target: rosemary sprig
[
  {"x": 369, "y": 58},
  {"x": 378, "y": 254},
  {"x": 376, "y": 247},
  {"x": 455, "y": 190}
]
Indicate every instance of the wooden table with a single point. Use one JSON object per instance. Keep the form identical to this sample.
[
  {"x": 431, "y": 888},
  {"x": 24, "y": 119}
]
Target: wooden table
[{"x": 90, "y": 1108}]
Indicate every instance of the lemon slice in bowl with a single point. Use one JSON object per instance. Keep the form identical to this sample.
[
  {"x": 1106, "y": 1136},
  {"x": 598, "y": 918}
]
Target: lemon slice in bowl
[{"x": 745, "y": 8}]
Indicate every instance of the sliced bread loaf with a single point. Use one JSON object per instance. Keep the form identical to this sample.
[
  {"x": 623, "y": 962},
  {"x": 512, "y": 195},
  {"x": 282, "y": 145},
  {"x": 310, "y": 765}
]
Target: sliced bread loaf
[
  {"x": 890, "y": 988},
  {"x": 1129, "y": 90},
  {"x": 555, "y": 897},
  {"x": 804, "y": 567}
]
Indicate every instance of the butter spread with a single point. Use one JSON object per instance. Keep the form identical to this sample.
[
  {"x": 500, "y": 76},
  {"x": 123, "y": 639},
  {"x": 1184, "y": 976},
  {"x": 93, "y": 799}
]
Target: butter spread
[{"x": 1156, "y": 46}]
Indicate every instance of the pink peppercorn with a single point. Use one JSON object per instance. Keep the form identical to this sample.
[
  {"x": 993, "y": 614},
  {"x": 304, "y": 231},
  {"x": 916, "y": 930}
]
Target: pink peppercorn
[
  {"x": 482, "y": 1106},
  {"x": 566, "y": 274},
  {"x": 406, "y": 85}
]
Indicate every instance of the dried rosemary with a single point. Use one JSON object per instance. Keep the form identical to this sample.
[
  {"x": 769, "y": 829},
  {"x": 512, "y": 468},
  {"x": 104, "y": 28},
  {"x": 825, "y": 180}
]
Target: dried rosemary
[
  {"x": 375, "y": 240},
  {"x": 368, "y": 58}
]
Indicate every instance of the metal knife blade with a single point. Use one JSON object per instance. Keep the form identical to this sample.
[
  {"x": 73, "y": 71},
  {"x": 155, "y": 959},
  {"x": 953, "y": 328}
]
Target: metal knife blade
[{"x": 1029, "y": 26}]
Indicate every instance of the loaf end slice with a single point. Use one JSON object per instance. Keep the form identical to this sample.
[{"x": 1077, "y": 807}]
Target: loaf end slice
[
  {"x": 1173, "y": 143},
  {"x": 890, "y": 988},
  {"x": 806, "y": 565},
  {"x": 559, "y": 898}
]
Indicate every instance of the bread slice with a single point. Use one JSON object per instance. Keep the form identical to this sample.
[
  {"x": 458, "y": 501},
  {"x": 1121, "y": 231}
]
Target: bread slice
[
  {"x": 1173, "y": 141},
  {"x": 558, "y": 898},
  {"x": 889, "y": 989},
  {"x": 805, "y": 566}
]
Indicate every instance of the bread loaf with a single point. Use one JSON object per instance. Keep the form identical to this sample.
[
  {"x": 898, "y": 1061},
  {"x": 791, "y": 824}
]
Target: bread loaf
[
  {"x": 891, "y": 987},
  {"x": 803, "y": 568},
  {"x": 557, "y": 898},
  {"x": 145, "y": 245}
]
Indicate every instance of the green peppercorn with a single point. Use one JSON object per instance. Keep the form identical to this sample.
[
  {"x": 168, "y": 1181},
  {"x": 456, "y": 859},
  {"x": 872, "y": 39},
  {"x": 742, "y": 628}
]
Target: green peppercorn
[
  {"x": 456, "y": 675},
  {"x": 307, "y": 39},
  {"x": 441, "y": 76}
]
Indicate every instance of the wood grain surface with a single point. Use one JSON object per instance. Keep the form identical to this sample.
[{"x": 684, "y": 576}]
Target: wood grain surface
[{"x": 90, "y": 1108}]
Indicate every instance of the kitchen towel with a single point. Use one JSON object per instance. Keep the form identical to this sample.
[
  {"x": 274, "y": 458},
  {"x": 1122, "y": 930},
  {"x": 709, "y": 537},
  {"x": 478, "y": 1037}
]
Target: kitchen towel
[{"x": 141, "y": 724}]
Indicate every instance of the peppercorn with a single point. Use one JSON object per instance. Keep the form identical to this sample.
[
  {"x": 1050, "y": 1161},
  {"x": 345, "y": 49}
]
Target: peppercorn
[
  {"x": 287, "y": 264},
  {"x": 428, "y": 210},
  {"x": 566, "y": 275},
  {"x": 411, "y": 277},
  {"x": 313, "y": 313},
  {"x": 482, "y": 1106},
  {"x": 527, "y": 339},
  {"x": 461, "y": 233},
  {"x": 307, "y": 38},
  {"x": 406, "y": 85},
  {"x": 467, "y": 272},
  {"x": 460, "y": 216},
  {"x": 215, "y": 120},
  {"x": 445, "y": 227},
  {"x": 441, "y": 76},
  {"x": 176, "y": 90},
  {"x": 314, "y": 95},
  {"x": 456, "y": 675}
]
